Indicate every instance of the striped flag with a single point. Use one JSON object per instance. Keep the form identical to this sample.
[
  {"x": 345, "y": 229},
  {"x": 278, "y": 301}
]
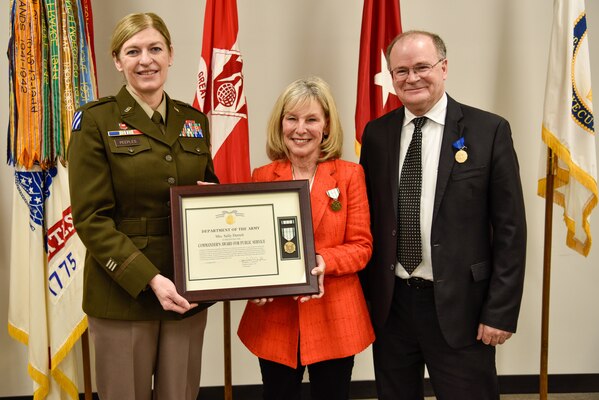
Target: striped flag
[
  {"x": 568, "y": 124},
  {"x": 220, "y": 93},
  {"x": 381, "y": 22},
  {"x": 51, "y": 72}
]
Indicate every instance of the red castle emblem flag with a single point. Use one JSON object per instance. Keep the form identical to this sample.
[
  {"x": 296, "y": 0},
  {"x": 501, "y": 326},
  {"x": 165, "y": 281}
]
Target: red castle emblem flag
[{"x": 220, "y": 93}]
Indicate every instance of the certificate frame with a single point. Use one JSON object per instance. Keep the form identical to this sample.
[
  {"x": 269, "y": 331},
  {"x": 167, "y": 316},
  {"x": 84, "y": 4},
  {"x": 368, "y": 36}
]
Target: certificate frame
[{"x": 227, "y": 247}]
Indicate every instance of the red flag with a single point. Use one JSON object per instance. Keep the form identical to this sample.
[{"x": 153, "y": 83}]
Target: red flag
[
  {"x": 376, "y": 96},
  {"x": 220, "y": 93}
]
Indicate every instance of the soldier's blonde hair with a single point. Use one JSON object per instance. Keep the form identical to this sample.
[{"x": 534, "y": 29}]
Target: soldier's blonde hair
[{"x": 132, "y": 24}]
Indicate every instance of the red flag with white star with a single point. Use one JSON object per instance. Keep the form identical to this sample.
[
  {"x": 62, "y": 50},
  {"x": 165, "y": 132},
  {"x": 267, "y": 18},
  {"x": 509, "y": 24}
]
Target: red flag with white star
[
  {"x": 220, "y": 93},
  {"x": 376, "y": 96}
]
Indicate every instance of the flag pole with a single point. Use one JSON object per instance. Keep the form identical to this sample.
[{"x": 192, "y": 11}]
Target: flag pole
[
  {"x": 87, "y": 380},
  {"x": 543, "y": 381},
  {"x": 227, "y": 344}
]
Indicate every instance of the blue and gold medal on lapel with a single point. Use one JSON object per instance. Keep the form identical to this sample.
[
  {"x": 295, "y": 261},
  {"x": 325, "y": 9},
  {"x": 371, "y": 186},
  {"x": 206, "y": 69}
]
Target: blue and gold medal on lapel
[
  {"x": 460, "y": 156},
  {"x": 192, "y": 129}
]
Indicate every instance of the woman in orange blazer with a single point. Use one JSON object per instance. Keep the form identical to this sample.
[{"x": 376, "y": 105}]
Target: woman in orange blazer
[{"x": 324, "y": 333}]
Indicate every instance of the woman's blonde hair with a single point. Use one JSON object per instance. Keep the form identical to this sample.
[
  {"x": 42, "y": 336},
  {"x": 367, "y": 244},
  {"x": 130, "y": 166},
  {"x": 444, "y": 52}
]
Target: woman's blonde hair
[{"x": 296, "y": 94}]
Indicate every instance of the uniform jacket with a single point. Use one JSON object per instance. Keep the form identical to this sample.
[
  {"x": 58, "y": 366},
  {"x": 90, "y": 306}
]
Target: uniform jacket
[
  {"x": 478, "y": 235},
  {"x": 336, "y": 325},
  {"x": 120, "y": 199}
]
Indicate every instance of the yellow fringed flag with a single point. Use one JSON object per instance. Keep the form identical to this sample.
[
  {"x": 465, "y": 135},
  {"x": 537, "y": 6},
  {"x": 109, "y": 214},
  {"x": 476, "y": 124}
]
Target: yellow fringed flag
[{"x": 568, "y": 123}]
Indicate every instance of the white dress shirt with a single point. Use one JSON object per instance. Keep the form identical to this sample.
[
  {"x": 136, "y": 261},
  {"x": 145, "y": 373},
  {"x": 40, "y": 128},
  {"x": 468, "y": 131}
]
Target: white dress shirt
[{"x": 432, "y": 135}]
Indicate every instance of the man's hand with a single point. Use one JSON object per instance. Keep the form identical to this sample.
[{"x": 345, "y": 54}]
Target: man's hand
[{"x": 492, "y": 336}]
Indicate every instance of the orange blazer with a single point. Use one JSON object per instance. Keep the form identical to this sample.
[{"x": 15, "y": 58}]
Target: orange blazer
[{"x": 338, "y": 324}]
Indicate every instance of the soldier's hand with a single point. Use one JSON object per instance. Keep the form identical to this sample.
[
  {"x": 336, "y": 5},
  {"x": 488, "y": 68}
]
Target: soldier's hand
[{"x": 167, "y": 294}]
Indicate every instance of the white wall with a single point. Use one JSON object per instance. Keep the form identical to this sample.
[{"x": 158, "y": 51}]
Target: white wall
[{"x": 497, "y": 51}]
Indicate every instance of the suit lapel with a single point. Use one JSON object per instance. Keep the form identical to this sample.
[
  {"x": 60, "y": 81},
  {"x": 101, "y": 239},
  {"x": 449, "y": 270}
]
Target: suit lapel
[
  {"x": 393, "y": 139},
  {"x": 451, "y": 133}
]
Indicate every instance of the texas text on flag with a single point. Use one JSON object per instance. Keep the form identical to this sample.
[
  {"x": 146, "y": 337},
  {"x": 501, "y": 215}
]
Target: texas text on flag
[{"x": 46, "y": 280}]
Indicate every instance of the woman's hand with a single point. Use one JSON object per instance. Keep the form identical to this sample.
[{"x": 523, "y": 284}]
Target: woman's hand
[
  {"x": 318, "y": 271},
  {"x": 167, "y": 294},
  {"x": 261, "y": 302}
]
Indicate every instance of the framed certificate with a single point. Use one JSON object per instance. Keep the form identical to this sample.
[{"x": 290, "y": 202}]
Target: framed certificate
[{"x": 243, "y": 241}]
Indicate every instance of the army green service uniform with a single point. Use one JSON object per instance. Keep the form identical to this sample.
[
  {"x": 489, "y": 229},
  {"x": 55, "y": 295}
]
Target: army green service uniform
[{"x": 121, "y": 166}]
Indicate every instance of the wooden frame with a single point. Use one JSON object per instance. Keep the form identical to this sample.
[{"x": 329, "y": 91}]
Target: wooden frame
[{"x": 243, "y": 241}]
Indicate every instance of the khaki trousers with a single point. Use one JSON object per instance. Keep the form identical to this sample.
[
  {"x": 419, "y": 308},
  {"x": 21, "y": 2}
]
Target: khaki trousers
[{"x": 131, "y": 355}]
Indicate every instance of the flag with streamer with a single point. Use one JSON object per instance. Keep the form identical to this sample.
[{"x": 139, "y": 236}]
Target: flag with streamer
[
  {"x": 220, "y": 93},
  {"x": 381, "y": 22},
  {"x": 51, "y": 72},
  {"x": 568, "y": 123}
]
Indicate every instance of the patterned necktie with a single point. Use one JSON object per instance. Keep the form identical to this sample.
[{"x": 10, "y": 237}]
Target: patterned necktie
[
  {"x": 157, "y": 119},
  {"x": 409, "y": 243}
]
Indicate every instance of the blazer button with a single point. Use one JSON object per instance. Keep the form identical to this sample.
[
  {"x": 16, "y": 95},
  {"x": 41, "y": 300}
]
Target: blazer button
[
  {"x": 130, "y": 149},
  {"x": 198, "y": 150},
  {"x": 393, "y": 232},
  {"x": 168, "y": 158},
  {"x": 392, "y": 267},
  {"x": 171, "y": 180}
]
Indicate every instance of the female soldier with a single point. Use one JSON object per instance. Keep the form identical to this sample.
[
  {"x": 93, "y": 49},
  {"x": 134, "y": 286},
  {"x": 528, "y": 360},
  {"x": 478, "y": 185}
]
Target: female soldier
[{"x": 125, "y": 152}]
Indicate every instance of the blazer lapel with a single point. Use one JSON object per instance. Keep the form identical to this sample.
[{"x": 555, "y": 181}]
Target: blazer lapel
[
  {"x": 282, "y": 171},
  {"x": 451, "y": 133},
  {"x": 324, "y": 180}
]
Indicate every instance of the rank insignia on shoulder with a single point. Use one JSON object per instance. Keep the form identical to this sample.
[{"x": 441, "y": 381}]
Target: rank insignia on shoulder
[
  {"x": 191, "y": 129},
  {"x": 77, "y": 121},
  {"x": 111, "y": 264}
]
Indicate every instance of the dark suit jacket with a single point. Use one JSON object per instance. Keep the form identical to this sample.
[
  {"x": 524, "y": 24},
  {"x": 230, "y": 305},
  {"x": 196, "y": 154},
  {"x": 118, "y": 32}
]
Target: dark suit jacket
[
  {"x": 120, "y": 199},
  {"x": 478, "y": 235}
]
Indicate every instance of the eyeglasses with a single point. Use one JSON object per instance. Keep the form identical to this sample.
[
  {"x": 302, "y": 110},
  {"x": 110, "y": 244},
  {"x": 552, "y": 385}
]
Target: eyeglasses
[{"x": 422, "y": 70}]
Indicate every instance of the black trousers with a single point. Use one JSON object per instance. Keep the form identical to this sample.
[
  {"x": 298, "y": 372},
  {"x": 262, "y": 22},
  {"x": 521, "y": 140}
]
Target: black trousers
[
  {"x": 412, "y": 339},
  {"x": 329, "y": 380}
]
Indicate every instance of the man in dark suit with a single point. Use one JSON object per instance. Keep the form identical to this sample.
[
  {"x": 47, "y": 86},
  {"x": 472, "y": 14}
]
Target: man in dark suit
[{"x": 444, "y": 287}]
